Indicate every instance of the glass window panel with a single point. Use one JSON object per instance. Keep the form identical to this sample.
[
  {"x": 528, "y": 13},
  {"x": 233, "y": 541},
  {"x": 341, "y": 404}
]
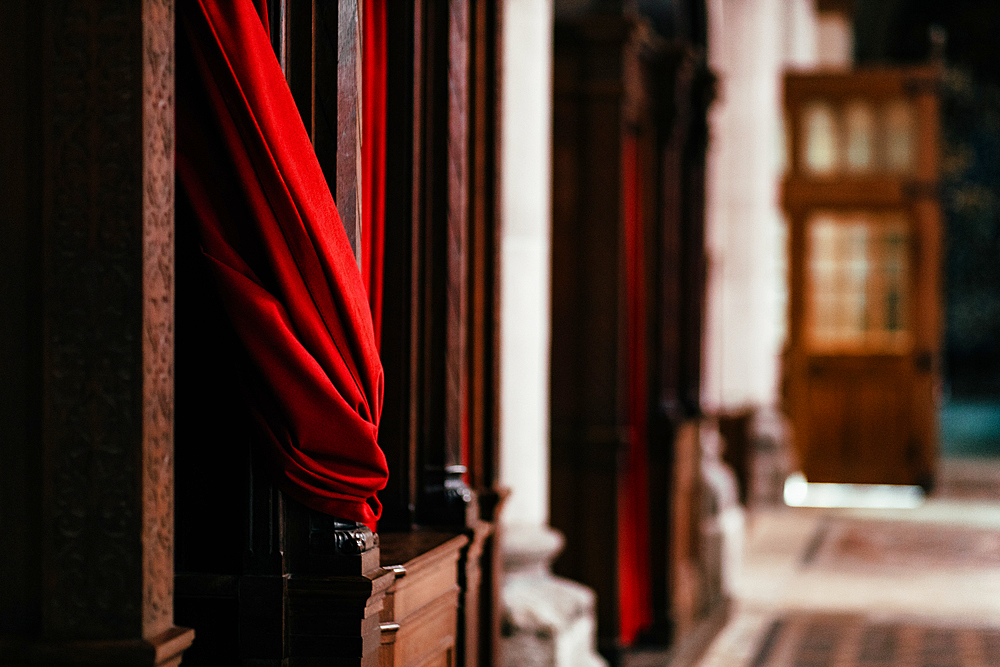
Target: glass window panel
[
  {"x": 824, "y": 269},
  {"x": 820, "y": 133},
  {"x": 860, "y": 122},
  {"x": 858, "y": 275},
  {"x": 855, "y": 321},
  {"x": 900, "y": 136}
]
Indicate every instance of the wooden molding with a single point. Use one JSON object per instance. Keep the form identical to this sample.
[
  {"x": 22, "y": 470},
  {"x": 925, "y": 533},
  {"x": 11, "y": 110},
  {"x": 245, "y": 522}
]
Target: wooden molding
[{"x": 164, "y": 650}]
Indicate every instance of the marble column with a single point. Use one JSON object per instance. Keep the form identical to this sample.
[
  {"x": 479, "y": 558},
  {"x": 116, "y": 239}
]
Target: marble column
[
  {"x": 547, "y": 620},
  {"x": 751, "y": 43}
]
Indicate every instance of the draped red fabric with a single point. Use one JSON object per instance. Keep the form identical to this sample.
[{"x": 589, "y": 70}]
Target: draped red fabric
[
  {"x": 634, "y": 578},
  {"x": 285, "y": 271},
  {"x": 373, "y": 85}
]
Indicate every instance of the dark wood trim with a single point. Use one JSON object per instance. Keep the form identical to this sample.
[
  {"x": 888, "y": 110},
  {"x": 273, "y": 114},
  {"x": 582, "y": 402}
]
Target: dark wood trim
[
  {"x": 342, "y": 139},
  {"x": 457, "y": 251},
  {"x": 163, "y": 650},
  {"x": 484, "y": 219}
]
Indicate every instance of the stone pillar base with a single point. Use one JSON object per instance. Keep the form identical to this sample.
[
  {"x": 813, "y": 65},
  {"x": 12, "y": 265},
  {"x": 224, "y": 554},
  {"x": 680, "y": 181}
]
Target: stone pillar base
[
  {"x": 548, "y": 621},
  {"x": 723, "y": 522},
  {"x": 773, "y": 458}
]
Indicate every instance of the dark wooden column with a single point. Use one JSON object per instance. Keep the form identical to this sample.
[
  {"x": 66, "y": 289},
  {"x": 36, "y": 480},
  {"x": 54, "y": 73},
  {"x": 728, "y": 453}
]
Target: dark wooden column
[
  {"x": 684, "y": 90},
  {"x": 438, "y": 346},
  {"x": 441, "y": 247},
  {"x": 94, "y": 216},
  {"x": 629, "y": 135},
  {"x": 587, "y": 376},
  {"x": 482, "y": 582}
]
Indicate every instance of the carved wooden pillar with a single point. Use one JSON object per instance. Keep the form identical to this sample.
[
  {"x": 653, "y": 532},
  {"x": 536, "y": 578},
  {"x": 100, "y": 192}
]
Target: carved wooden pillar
[{"x": 95, "y": 221}]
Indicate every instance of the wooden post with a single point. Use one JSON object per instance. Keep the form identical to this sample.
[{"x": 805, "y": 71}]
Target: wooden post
[{"x": 99, "y": 124}]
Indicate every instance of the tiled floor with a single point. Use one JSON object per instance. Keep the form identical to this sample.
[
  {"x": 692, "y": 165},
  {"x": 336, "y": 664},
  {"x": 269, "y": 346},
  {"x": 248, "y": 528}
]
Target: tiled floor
[
  {"x": 930, "y": 575},
  {"x": 807, "y": 639}
]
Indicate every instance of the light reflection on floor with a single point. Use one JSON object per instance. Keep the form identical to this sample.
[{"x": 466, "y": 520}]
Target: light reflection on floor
[{"x": 800, "y": 493}]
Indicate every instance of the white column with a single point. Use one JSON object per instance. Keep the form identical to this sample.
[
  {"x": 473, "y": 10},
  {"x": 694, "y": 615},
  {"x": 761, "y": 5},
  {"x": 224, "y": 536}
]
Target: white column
[
  {"x": 526, "y": 186},
  {"x": 551, "y": 620},
  {"x": 750, "y": 43}
]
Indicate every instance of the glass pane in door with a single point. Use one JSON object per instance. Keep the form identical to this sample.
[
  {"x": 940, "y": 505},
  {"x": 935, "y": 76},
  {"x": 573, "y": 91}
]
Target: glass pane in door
[
  {"x": 821, "y": 138},
  {"x": 860, "y": 122},
  {"x": 858, "y": 272}
]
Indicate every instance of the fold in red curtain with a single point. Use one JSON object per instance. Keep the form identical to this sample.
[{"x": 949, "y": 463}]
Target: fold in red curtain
[{"x": 273, "y": 240}]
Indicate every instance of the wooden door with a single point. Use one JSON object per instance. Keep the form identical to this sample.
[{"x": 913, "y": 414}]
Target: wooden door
[{"x": 862, "y": 360}]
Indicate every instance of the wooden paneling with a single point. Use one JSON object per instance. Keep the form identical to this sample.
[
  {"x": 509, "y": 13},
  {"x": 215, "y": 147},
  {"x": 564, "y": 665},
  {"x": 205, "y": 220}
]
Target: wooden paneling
[{"x": 858, "y": 407}]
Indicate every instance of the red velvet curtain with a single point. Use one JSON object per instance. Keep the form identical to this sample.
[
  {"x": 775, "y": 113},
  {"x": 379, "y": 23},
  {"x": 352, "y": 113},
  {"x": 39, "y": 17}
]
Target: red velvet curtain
[
  {"x": 373, "y": 84},
  {"x": 634, "y": 578},
  {"x": 281, "y": 261}
]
